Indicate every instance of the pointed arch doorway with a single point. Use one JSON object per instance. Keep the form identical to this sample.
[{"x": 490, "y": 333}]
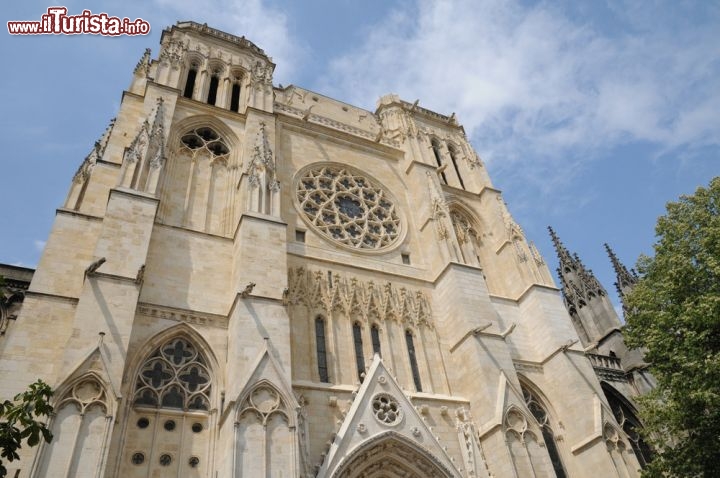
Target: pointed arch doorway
[{"x": 391, "y": 455}]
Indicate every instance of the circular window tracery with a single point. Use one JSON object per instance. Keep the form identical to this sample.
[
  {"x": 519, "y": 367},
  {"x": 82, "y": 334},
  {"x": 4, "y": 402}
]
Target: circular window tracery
[
  {"x": 346, "y": 206},
  {"x": 386, "y": 409}
]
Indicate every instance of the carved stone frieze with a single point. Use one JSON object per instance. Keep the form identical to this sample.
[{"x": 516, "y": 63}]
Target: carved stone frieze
[
  {"x": 172, "y": 52},
  {"x": 261, "y": 74},
  {"x": 397, "y": 124},
  {"x": 352, "y": 296}
]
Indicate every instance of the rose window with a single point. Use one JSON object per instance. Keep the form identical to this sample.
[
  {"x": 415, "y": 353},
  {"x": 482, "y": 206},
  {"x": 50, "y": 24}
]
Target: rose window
[
  {"x": 386, "y": 409},
  {"x": 347, "y": 207},
  {"x": 175, "y": 376}
]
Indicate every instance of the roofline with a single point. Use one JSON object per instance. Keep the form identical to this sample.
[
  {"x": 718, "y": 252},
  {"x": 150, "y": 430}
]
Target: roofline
[{"x": 218, "y": 34}]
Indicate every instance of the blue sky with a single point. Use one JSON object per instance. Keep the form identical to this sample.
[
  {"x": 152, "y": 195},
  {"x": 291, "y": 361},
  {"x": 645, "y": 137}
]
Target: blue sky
[{"x": 590, "y": 115}]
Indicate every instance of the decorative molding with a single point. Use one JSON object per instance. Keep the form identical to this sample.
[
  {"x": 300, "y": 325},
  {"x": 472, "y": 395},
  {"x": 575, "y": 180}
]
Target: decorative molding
[
  {"x": 182, "y": 315},
  {"x": 334, "y": 124},
  {"x": 204, "y": 29},
  {"x": 522, "y": 366}
]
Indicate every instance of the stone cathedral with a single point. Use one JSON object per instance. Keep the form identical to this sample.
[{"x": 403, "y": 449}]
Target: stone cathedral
[{"x": 248, "y": 280}]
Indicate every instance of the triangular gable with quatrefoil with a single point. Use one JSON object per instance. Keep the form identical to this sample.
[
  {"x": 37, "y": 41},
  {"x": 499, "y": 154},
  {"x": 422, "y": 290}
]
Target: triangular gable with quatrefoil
[{"x": 382, "y": 411}]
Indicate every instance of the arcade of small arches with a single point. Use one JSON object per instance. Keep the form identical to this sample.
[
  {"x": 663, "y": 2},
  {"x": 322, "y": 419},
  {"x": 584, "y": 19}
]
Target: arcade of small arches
[{"x": 214, "y": 83}]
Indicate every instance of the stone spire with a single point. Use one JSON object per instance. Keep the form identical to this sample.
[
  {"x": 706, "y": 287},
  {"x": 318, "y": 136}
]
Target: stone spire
[
  {"x": 566, "y": 260},
  {"x": 626, "y": 279},
  {"x": 572, "y": 269},
  {"x": 585, "y": 299}
]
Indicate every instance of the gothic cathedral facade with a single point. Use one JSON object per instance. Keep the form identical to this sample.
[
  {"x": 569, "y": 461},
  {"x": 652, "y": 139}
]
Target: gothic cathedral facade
[{"x": 257, "y": 281}]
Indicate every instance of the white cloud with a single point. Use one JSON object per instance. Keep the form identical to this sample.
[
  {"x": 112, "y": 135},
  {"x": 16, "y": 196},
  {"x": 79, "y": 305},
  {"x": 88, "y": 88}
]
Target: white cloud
[
  {"x": 539, "y": 91},
  {"x": 39, "y": 245},
  {"x": 265, "y": 26}
]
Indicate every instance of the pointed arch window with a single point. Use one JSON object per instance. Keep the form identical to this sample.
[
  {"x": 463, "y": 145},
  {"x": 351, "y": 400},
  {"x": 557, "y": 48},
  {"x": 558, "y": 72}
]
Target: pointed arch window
[
  {"x": 80, "y": 425},
  {"x": 540, "y": 413},
  {"x": 190, "y": 83},
  {"x": 321, "y": 349},
  {"x": 413, "y": 360},
  {"x": 467, "y": 236},
  {"x": 174, "y": 376},
  {"x": 359, "y": 356},
  {"x": 212, "y": 91},
  {"x": 453, "y": 157},
  {"x": 235, "y": 97},
  {"x": 375, "y": 338},
  {"x": 438, "y": 158}
]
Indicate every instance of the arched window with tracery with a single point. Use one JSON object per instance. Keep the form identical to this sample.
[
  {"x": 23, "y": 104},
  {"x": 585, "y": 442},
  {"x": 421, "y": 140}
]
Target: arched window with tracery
[
  {"x": 175, "y": 376},
  {"x": 467, "y": 236},
  {"x": 170, "y": 407},
  {"x": 529, "y": 458},
  {"x": 80, "y": 426},
  {"x": 540, "y": 413},
  {"x": 627, "y": 419},
  {"x": 265, "y": 431},
  {"x": 196, "y": 186}
]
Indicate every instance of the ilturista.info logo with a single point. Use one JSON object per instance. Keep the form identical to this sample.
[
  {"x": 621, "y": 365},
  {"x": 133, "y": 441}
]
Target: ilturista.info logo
[{"x": 57, "y": 22}]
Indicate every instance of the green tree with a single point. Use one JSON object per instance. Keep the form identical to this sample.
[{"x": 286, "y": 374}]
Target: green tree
[
  {"x": 20, "y": 420},
  {"x": 674, "y": 314}
]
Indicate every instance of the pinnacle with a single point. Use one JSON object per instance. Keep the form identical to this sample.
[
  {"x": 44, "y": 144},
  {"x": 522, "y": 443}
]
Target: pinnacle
[{"x": 625, "y": 278}]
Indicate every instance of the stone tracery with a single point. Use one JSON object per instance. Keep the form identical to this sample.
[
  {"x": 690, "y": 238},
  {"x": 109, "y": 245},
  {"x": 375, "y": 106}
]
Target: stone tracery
[
  {"x": 175, "y": 376},
  {"x": 206, "y": 139},
  {"x": 386, "y": 409},
  {"x": 348, "y": 207}
]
